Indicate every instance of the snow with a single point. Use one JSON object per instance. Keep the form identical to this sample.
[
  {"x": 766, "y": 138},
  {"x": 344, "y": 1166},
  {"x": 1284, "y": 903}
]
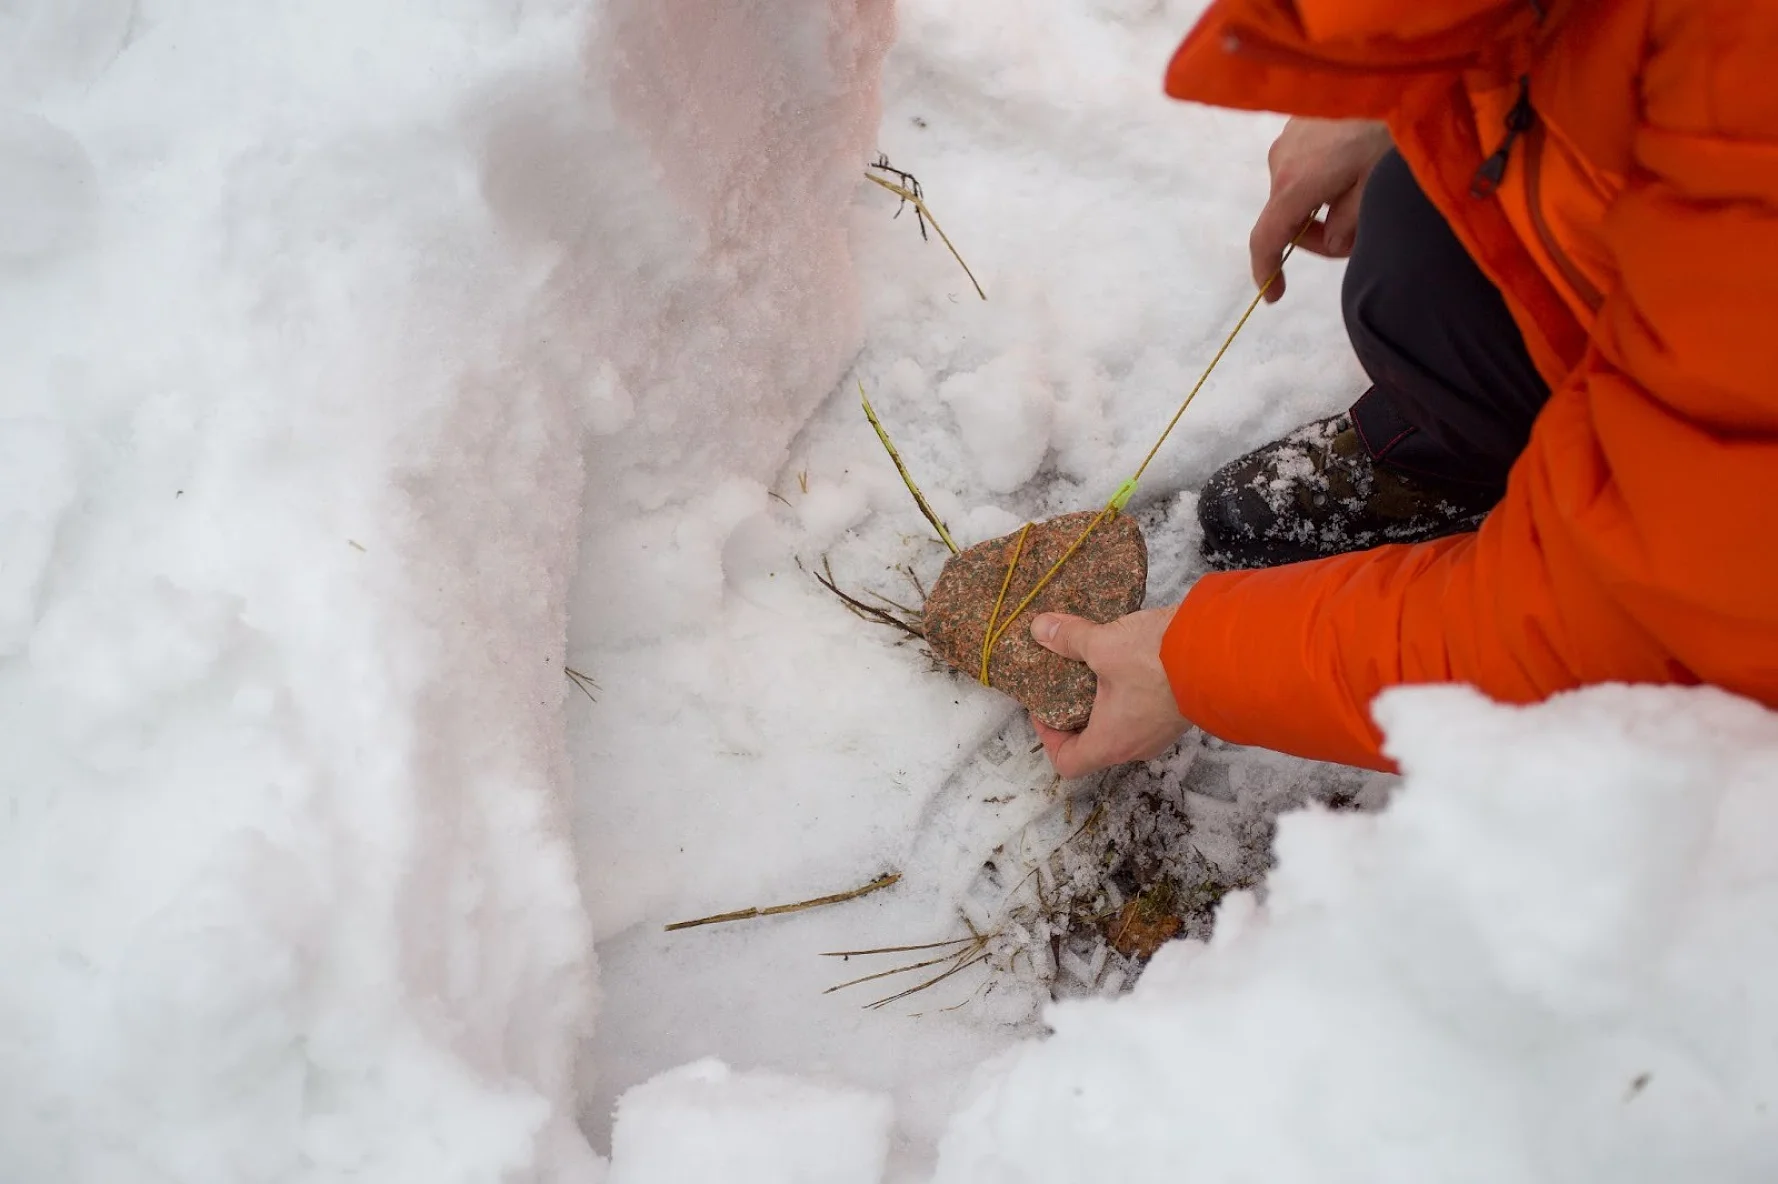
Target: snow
[
  {"x": 47, "y": 194},
  {"x": 1004, "y": 411},
  {"x": 1548, "y": 959},
  {"x": 288, "y": 891},
  {"x": 49, "y": 47},
  {"x": 756, "y": 744},
  {"x": 363, "y": 365},
  {"x": 705, "y": 1122}
]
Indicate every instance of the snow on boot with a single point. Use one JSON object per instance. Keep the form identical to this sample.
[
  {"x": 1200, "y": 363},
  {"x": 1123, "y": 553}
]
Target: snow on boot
[{"x": 1316, "y": 493}]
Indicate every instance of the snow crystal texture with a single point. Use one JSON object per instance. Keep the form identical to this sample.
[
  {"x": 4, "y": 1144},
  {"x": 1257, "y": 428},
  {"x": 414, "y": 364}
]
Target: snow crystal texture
[
  {"x": 364, "y": 365},
  {"x": 286, "y": 891},
  {"x": 706, "y": 1122},
  {"x": 1549, "y": 959}
]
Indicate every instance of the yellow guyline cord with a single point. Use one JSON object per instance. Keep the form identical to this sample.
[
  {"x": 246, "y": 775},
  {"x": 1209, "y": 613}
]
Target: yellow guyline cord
[{"x": 996, "y": 627}]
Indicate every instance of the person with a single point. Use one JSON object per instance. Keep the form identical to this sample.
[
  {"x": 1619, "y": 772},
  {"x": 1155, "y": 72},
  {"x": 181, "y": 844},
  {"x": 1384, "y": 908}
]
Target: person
[{"x": 1562, "y": 222}]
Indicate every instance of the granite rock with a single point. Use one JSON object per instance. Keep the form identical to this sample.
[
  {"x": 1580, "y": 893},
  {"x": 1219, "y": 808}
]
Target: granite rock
[{"x": 1104, "y": 580}]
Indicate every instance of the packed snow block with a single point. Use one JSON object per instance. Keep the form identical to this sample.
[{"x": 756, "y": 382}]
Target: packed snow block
[
  {"x": 1551, "y": 957},
  {"x": 707, "y": 300},
  {"x": 706, "y": 1123}
]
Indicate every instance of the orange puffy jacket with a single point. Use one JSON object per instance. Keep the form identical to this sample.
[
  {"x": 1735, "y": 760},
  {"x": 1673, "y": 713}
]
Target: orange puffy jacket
[{"x": 1635, "y": 237}]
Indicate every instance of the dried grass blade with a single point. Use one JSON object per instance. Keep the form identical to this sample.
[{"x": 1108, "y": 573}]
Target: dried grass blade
[
  {"x": 925, "y": 211},
  {"x": 931, "y": 945},
  {"x": 931, "y": 982},
  {"x": 907, "y": 478},
  {"x": 869, "y": 978},
  {"x": 865, "y": 612},
  {"x": 876, "y": 885}
]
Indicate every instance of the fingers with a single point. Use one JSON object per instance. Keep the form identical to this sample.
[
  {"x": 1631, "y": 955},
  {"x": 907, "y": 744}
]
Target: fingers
[
  {"x": 1052, "y": 739},
  {"x": 1272, "y": 232},
  {"x": 1277, "y": 226},
  {"x": 1330, "y": 237},
  {"x": 1341, "y": 224},
  {"x": 1314, "y": 239},
  {"x": 1135, "y": 713},
  {"x": 1074, "y": 754},
  {"x": 1062, "y": 634}
]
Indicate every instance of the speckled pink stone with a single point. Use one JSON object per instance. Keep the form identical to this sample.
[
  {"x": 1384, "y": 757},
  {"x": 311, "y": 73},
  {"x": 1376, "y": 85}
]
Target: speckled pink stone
[{"x": 1106, "y": 579}]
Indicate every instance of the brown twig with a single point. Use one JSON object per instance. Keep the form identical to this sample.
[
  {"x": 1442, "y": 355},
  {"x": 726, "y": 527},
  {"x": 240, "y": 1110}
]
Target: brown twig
[
  {"x": 973, "y": 945},
  {"x": 889, "y": 973},
  {"x": 584, "y": 682},
  {"x": 876, "y": 885},
  {"x": 868, "y": 612},
  {"x": 914, "y": 579},
  {"x": 910, "y": 193},
  {"x": 912, "y": 184},
  {"x": 931, "y": 982},
  {"x": 894, "y": 604},
  {"x": 930, "y": 945}
]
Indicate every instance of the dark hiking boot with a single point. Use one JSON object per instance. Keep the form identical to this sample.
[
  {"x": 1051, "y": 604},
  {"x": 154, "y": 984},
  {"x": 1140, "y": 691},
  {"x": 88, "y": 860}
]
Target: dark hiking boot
[{"x": 1317, "y": 492}]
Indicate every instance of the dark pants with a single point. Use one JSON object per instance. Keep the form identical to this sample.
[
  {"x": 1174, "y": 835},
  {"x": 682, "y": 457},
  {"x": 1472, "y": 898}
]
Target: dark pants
[{"x": 1453, "y": 388}]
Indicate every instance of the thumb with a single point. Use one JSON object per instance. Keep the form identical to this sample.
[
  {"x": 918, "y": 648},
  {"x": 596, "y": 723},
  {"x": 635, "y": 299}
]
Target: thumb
[{"x": 1062, "y": 634}]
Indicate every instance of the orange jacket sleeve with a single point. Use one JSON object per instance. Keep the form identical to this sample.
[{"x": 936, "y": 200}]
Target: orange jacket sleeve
[{"x": 1638, "y": 539}]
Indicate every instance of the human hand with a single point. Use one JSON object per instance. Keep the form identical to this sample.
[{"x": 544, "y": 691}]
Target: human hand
[
  {"x": 1135, "y": 716},
  {"x": 1314, "y": 163}
]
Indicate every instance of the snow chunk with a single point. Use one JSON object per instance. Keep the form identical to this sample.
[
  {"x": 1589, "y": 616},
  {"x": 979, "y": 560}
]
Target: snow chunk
[
  {"x": 983, "y": 523},
  {"x": 1550, "y": 958},
  {"x": 1004, "y": 410},
  {"x": 36, "y": 488},
  {"x": 705, "y": 1122},
  {"x": 829, "y": 509},
  {"x": 662, "y": 572},
  {"x": 51, "y": 44},
  {"x": 47, "y": 187}
]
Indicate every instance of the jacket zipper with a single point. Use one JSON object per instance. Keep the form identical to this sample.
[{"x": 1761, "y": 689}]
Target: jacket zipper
[
  {"x": 1522, "y": 121},
  {"x": 1583, "y": 287},
  {"x": 1487, "y": 178}
]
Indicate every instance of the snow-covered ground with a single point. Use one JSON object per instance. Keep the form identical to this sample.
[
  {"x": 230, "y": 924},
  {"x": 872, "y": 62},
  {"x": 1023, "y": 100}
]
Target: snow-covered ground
[
  {"x": 364, "y": 363},
  {"x": 767, "y": 746}
]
